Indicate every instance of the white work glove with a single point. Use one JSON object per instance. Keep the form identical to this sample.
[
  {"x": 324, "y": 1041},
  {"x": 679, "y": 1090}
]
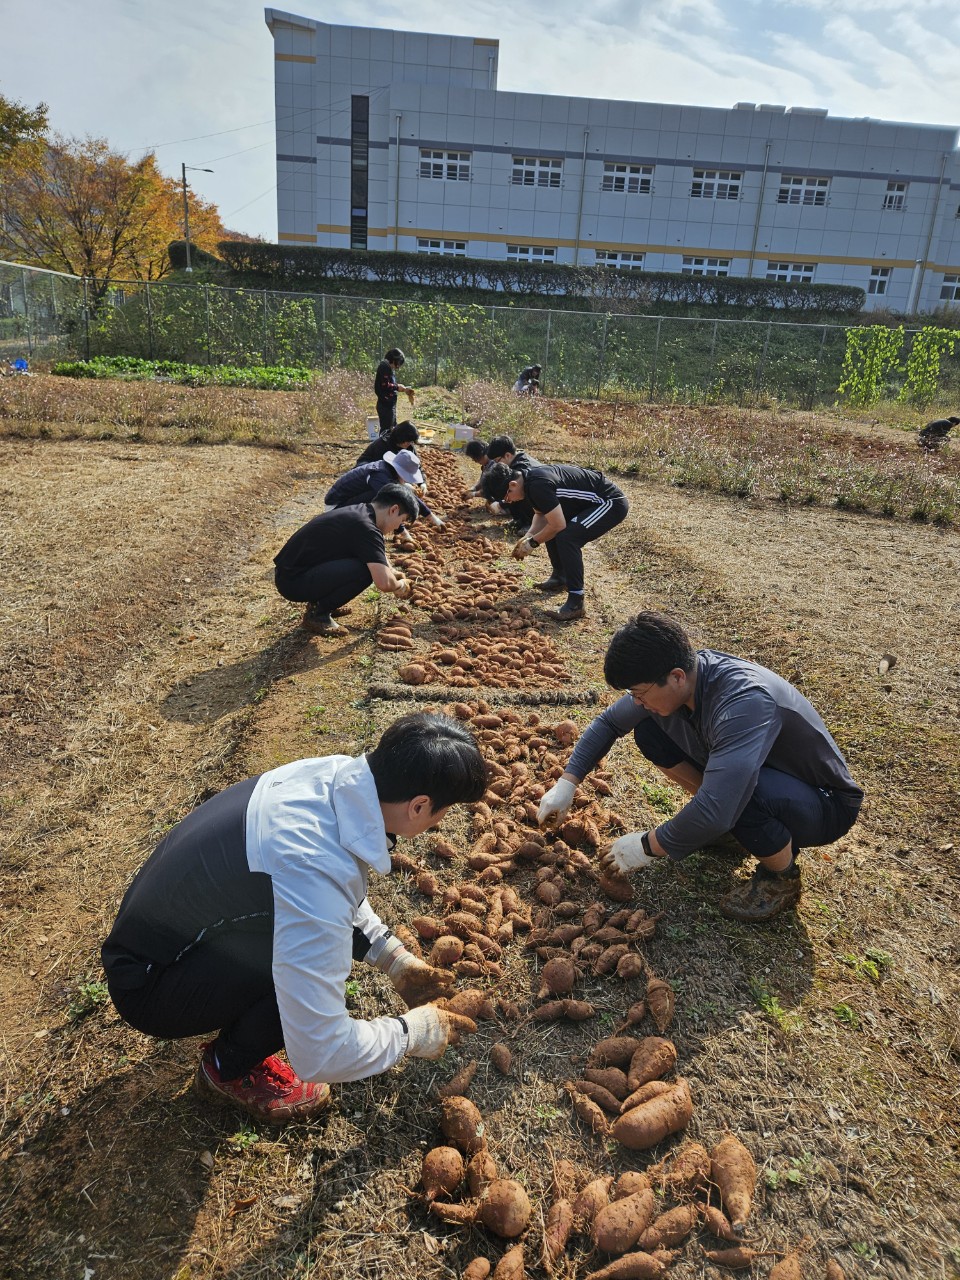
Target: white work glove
[
  {"x": 414, "y": 980},
  {"x": 524, "y": 547},
  {"x": 627, "y": 853},
  {"x": 557, "y": 800},
  {"x": 403, "y": 589},
  {"x": 496, "y": 508},
  {"x": 430, "y": 1030},
  {"x": 436, "y": 521}
]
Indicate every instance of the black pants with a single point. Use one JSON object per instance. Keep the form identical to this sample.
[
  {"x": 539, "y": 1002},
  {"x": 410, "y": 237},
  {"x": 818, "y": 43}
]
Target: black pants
[
  {"x": 565, "y": 550},
  {"x": 782, "y": 810},
  {"x": 387, "y": 413},
  {"x": 326, "y": 586}
]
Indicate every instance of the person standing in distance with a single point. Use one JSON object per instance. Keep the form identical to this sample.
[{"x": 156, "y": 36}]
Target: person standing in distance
[
  {"x": 248, "y": 916},
  {"x": 386, "y": 387},
  {"x": 751, "y": 751},
  {"x": 335, "y": 556},
  {"x": 571, "y": 507}
]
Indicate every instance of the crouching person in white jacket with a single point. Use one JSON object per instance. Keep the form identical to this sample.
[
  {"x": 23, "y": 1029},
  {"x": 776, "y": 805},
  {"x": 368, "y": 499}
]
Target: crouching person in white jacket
[{"x": 248, "y": 915}]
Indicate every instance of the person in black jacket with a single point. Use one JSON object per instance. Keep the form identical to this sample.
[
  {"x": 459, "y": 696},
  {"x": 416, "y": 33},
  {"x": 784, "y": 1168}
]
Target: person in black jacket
[
  {"x": 361, "y": 484},
  {"x": 403, "y": 436},
  {"x": 386, "y": 387},
  {"x": 934, "y": 434},
  {"x": 502, "y": 449},
  {"x": 571, "y": 507}
]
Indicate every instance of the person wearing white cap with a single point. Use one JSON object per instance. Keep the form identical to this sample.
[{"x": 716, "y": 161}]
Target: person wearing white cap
[{"x": 363, "y": 483}]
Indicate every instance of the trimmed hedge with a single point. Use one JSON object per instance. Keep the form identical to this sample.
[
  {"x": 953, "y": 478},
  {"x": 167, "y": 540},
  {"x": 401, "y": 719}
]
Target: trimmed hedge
[{"x": 304, "y": 267}]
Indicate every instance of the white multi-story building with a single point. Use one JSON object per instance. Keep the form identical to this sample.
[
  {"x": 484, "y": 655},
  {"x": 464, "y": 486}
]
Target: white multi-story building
[{"x": 401, "y": 140}]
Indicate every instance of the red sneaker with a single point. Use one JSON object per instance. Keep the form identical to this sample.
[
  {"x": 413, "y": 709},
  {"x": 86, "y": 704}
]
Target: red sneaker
[{"x": 271, "y": 1090}]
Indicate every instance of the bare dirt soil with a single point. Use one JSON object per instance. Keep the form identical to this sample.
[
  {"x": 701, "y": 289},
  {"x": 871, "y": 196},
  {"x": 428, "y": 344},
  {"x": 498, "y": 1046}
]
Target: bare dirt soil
[{"x": 148, "y": 662}]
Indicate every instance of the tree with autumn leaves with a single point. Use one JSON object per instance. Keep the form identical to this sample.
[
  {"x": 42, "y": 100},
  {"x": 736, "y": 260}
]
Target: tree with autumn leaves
[{"x": 75, "y": 205}]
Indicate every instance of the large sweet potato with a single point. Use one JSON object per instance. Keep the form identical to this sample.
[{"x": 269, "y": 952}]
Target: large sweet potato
[
  {"x": 734, "y": 1172},
  {"x": 653, "y": 1058},
  {"x": 618, "y": 1225},
  {"x": 556, "y": 1233},
  {"x": 463, "y": 1125},
  {"x": 632, "y": 1266},
  {"x": 505, "y": 1208},
  {"x": 652, "y": 1121}
]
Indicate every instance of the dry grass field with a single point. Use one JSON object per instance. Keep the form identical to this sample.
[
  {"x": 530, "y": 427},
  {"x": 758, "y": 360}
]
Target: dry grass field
[{"x": 147, "y": 662}]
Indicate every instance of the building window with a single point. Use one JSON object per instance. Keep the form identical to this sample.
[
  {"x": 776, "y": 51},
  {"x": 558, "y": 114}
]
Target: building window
[
  {"x": 879, "y": 278},
  {"x": 359, "y": 169},
  {"x": 791, "y": 272},
  {"x": 716, "y": 184},
  {"x": 896, "y": 196},
  {"x": 448, "y": 248},
  {"x": 531, "y": 253},
  {"x": 705, "y": 267},
  {"x": 449, "y": 166},
  {"x": 632, "y": 179},
  {"x": 620, "y": 259},
  {"x": 535, "y": 171},
  {"x": 950, "y": 289},
  {"x": 798, "y": 189}
]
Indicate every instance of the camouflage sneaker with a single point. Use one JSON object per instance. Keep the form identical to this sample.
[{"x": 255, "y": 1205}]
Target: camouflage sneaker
[
  {"x": 271, "y": 1090},
  {"x": 762, "y": 897}
]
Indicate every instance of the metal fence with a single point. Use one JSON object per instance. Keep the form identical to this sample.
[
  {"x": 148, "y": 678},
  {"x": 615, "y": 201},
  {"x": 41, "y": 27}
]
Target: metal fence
[{"x": 46, "y": 315}]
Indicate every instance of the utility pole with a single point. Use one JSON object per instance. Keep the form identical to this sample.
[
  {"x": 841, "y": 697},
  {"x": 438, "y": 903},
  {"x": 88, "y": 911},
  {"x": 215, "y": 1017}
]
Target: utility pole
[{"x": 186, "y": 209}]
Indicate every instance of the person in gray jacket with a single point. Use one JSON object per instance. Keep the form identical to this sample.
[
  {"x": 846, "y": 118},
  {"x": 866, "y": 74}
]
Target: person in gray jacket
[
  {"x": 248, "y": 916},
  {"x": 751, "y": 751}
]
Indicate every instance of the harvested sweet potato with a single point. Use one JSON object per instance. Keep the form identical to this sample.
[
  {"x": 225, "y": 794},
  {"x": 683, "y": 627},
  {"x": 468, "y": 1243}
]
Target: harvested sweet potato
[
  {"x": 689, "y": 1170},
  {"x": 652, "y": 1089},
  {"x": 457, "y": 1085},
  {"x": 737, "y": 1259},
  {"x": 660, "y": 1002},
  {"x": 553, "y": 1010},
  {"x": 617, "y": 1226},
  {"x": 733, "y": 1171},
  {"x": 501, "y": 1057},
  {"x": 590, "y": 1201},
  {"x": 614, "y": 1051},
  {"x": 446, "y": 951},
  {"x": 669, "y": 1229},
  {"x": 630, "y": 966},
  {"x": 427, "y": 927},
  {"x": 588, "y": 1111},
  {"x": 601, "y": 1096},
  {"x": 476, "y": 1269},
  {"x": 717, "y": 1222},
  {"x": 632, "y": 1266},
  {"x": 461, "y": 1214},
  {"x": 629, "y": 1183},
  {"x": 557, "y": 977},
  {"x": 469, "y": 1003},
  {"x": 652, "y": 1121},
  {"x": 616, "y": 886},
  {"x": 462, "y": 1124},
  {"x": 412, "y": 673},
  {"x": 505, "y": 1208},
  {"x": 442, "y": 1172},
  {"x": 395, "y": 642},
  {"x": 481, "y": 1169},
  {"x": 788, "y": 1268},
  {"x": 834, "y": 1270},
  {"x": 443, "y": 849},
  {"x": 427, "y": 884},
  {"x": 556, "y": 1233},
  {"x": 651, "y": 1060},
  {"x": 511, "y": 1265},
  {"x": 566, "y": 1180},
  {"x": 610, "y": 1078}
]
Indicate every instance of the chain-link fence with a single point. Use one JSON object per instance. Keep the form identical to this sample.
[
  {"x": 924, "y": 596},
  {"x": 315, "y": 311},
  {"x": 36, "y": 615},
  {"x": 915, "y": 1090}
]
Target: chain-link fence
[{"x": 46, "y": 315}]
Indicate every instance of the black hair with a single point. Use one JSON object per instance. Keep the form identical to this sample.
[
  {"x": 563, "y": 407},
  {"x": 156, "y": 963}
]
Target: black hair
[
  {"x": 395, "y": 356},
  {"x": 402, "y": 433},
  {"x": 500, "y": 445},
  {"x": 428, "y": 754},
  {"x": 476, "y": 449},
  {"x": 645, "y": 650},
  {"x": 496, "y": 480},
  {"x": 535, "y": 368},
  {"x": 398, "y": 495}
]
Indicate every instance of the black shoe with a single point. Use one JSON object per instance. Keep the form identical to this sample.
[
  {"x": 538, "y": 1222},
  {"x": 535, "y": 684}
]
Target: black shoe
[
  {"x": 552, "y": 584},
  {"x": 319, "y": 624},
  {"x": 765, "y": 895},
  {"x": 569, "y": 611}
]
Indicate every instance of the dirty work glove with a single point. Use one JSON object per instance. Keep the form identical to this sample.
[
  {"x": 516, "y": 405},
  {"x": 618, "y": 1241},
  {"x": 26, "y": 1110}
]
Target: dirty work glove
[
  {"x": 430, "y": 1030},
  {"x": 496, "y": 508},
  {"x": 403, "y": 590},
  {"x": 415, "y": 981},
  {"x": 557, "y": 800},
  {"x": 524, "y": 547},
  {"x": 436, "y": 521},
  {"x": 629, "y": 854}
]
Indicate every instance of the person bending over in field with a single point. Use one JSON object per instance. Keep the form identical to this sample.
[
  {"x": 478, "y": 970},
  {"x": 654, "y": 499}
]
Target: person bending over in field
[
  {"x": 476, "y": 451},
  {"x": 247, "y": 918},
  {"x": 403, "y": 436},
  {"x": 571, "y": 507},
  {"x": 502, "y": 449},
  {"x": 750, "y": 749},
  {"x": 336, "y": 556},
  {"x": 362, "y": 483}
]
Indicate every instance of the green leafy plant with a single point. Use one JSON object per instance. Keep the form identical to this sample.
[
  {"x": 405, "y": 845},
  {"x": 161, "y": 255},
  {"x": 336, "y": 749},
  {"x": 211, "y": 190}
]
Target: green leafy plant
[
  {"x": 871, "y": 356},
  {"x": 923, "y": 366},
  {"x": 88, "y": 997},
  {"x": 846, "y": 1014}
]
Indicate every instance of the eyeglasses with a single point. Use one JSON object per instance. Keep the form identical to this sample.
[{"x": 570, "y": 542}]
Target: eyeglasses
[{"x": 638, "y": 692}]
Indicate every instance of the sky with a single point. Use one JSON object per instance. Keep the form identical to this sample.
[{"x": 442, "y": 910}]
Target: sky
[{"x": 192, "y": 80}]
